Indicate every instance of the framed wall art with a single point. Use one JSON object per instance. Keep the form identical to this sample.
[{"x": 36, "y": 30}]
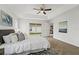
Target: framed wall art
[
  {"x": 5, "y": 19},
  {"x": 63, "y": 27}
]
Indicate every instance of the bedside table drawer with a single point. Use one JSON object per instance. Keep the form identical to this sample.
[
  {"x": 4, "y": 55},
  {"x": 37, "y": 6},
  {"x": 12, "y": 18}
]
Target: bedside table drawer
[{"x": 2, "y": 51}]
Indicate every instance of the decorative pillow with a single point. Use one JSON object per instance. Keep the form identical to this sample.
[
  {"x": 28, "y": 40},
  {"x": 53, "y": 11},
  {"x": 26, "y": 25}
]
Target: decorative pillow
[
  {"x": 20, "y": 36},
  {"x": 7, "y": 39},
  {"x": 13, "y": 38}
]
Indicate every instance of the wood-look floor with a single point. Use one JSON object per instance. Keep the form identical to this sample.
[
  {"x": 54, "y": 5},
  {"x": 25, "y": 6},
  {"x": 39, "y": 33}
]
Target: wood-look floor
[{"x": 63, "y": 48}]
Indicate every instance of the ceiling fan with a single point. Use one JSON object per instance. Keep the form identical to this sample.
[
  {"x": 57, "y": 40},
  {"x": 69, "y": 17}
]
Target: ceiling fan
[{"x": 42, "y": 9}]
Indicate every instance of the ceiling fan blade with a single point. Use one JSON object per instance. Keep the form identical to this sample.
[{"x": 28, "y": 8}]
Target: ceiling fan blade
[
  {"x": 44, "y": 12},
  {"x": 48, "y": 9},
  {"x": 36, "y": 9},
  {"x": 38, "y": 12}
]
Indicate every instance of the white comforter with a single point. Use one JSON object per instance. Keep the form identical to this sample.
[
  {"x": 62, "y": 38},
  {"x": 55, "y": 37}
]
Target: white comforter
[{"x": 26, "y": 45}]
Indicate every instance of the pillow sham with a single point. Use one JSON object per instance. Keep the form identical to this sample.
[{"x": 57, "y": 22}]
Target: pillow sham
[
  {"x": 7, "y": 39},
  {"x": 13, "y": 38}
]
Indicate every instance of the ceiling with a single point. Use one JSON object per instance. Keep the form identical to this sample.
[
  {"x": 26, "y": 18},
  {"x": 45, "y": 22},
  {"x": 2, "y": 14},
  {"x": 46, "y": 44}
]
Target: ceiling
[{"x": 26, "y": 11}]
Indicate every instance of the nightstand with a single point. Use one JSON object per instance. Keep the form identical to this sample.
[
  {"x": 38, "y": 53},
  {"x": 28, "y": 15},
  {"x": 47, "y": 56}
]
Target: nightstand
[{"x": 1, "y": 51}]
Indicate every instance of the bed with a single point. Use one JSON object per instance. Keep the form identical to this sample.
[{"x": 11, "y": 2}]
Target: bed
[{"x": 30, "y": 45}]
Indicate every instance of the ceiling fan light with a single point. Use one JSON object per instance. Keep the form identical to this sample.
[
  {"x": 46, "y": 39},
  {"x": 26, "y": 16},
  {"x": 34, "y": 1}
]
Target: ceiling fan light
[
  {"x": 42, "y": 9},
  {"x": 44, "y": 12}
]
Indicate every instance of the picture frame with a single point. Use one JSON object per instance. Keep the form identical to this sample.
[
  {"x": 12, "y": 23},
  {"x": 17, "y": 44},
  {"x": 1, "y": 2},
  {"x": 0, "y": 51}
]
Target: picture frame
[
  {"x": 5, "y": 19},
  {"x": 63, "y": 27}
]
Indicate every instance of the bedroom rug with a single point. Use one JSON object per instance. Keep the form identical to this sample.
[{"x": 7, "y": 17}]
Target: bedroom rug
[{"x": 45, "y": 52}]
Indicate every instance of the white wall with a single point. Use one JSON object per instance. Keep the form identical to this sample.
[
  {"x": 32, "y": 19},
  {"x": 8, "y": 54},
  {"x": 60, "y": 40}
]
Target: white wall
[
  {"x": 72, "y": 16},
  {"x": 24, "y": 26}
]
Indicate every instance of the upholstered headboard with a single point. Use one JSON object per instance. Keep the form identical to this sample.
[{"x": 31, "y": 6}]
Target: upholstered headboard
[{"x": 5, "y": 32}]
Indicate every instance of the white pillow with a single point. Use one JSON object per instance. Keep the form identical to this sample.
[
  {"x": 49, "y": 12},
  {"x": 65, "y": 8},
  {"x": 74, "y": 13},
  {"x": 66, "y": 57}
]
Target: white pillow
[
  {"x": 13, "y": 38},
  {"x": 7, "y": 39}
]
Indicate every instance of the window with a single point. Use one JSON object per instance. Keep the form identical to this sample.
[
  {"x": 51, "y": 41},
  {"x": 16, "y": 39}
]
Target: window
[{"x": 35, "y": 28}]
